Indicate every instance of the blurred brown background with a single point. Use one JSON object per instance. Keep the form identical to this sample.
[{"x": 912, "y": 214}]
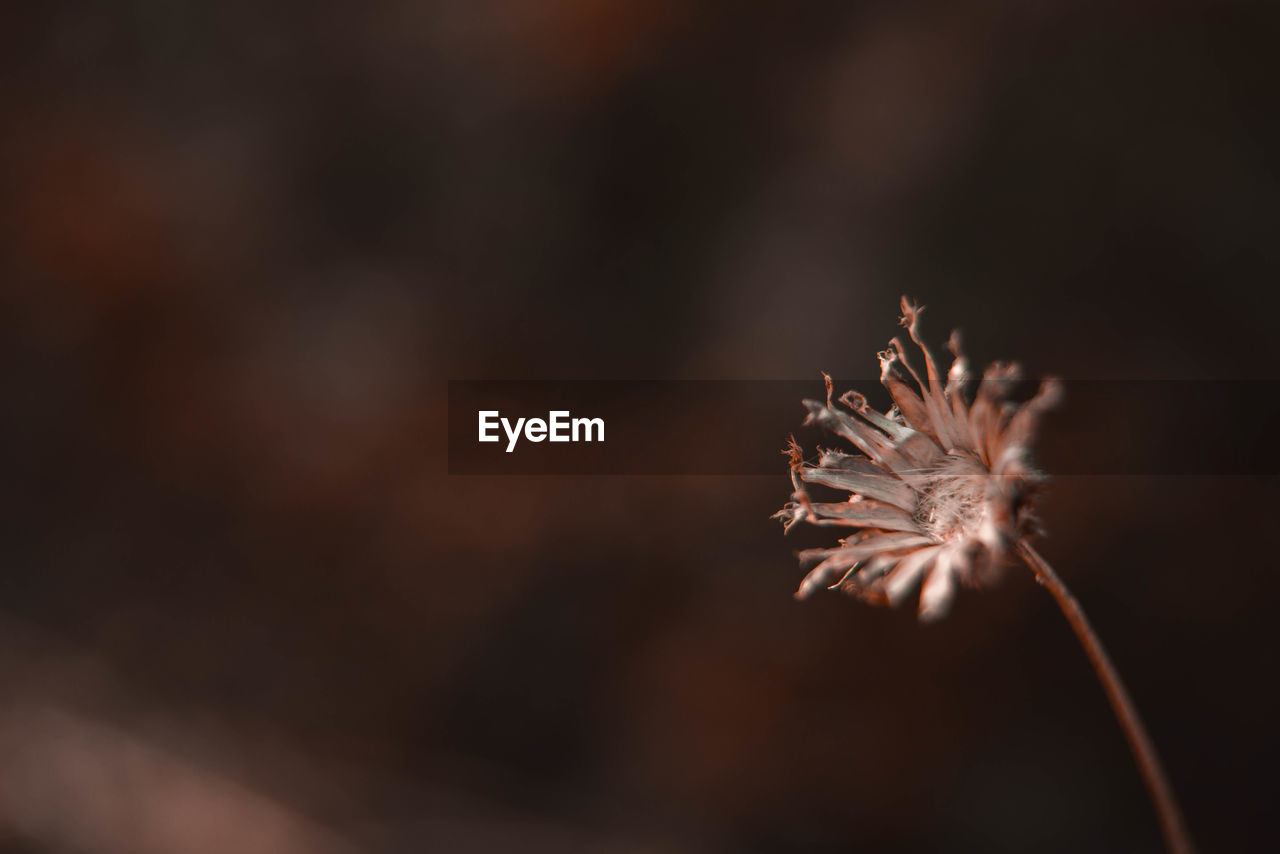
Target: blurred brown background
[{"x": 242, "y": 606}]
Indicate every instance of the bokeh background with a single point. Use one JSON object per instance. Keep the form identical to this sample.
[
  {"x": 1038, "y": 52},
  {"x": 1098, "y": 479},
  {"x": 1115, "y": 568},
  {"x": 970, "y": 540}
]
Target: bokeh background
[{"x": 244, "y": 247}]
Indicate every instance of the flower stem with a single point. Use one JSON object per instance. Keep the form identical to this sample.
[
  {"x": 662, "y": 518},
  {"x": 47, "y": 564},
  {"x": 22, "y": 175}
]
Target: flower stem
[{"x": 1171, "y": 822}]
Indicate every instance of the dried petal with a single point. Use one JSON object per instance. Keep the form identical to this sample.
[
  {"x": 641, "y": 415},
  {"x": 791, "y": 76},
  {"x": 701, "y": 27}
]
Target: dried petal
[
  {"x": 940, "y": 588},
  {"x": 882, "y": 487},
  {"x": 839, "y": 561},
  {"x": 864, "y": 513},
  {"x": 905, "y": 577}
]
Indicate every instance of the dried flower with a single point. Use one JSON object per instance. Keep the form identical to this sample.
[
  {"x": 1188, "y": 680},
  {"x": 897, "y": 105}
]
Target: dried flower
[
  {"x": 942, "y": 497},
  {"x": 943, "y": 490}
]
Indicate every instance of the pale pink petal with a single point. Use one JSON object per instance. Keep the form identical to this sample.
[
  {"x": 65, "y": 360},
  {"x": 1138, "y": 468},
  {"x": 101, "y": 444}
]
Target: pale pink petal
[
  {"x": 838, "y": 562},
  {"x": 1018, "y": 435},
  {"x": 868, "y": 440},
  {"x": 863, "y": 514},
  {"x": 904, "y": 578},
  {"x": 940, "y": 588},
  {"x": 890, "y": 490},
  {"x": 917, "y": 447},
  {"x": 938, "y": 406},
  {"x": 958, "y": 379},
  {"x": 907, "y": 401}
]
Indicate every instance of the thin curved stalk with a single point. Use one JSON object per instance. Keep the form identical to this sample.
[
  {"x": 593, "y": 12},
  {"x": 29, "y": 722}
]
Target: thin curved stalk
[{"x": 1171, "y": 823}]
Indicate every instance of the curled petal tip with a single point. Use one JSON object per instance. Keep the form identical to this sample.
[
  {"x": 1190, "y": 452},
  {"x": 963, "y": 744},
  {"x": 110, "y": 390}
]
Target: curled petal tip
[
  {"x": 887, "y": 360},
  {"x": 792, "y": 452},
  {"x": 1051, "y": 392},
  {"x": 854, "y": 400},
  {"x": 911, "y": 311}
]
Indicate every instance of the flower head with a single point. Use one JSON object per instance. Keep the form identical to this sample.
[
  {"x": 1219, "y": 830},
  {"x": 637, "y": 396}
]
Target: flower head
[{"x": 943, "y": 486}]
